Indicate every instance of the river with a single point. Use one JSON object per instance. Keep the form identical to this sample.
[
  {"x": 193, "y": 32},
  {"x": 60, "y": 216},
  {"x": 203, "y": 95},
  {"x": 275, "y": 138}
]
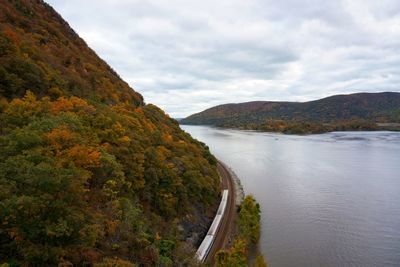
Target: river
[{"x": 327, "y": 200}]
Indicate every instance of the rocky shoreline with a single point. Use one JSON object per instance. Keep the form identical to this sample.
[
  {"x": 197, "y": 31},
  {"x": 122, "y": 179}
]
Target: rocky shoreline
[{"x": 239, "y": 191}]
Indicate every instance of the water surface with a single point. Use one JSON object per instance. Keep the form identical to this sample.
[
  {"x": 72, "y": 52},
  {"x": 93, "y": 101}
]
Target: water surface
[{"x": 327, "y": 200}]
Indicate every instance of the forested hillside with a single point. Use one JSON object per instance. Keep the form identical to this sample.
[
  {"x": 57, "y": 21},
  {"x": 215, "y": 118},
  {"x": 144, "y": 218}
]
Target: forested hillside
[
  {"x": 360, "y": 110},
  {"x": 89, "y": 174}
]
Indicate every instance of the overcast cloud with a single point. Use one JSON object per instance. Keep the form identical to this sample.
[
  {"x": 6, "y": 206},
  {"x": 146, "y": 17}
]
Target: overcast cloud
[{"x": 186, "y": 56}]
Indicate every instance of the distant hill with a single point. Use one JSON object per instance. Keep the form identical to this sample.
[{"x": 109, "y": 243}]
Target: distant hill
[{"x": 371, "y": 107}]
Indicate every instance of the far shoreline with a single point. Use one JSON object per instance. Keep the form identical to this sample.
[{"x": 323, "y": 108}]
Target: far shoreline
[{"x": 381, "y": 129}]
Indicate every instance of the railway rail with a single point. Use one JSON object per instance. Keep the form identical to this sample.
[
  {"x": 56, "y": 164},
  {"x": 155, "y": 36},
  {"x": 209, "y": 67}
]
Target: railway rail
[
  {"x": 209, "y": 239},
  {"x": 221, "y": 228}
]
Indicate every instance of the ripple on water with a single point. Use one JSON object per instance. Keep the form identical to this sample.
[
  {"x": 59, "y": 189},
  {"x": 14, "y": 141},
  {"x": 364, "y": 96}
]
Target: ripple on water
[{"x": 327, "y": 200}]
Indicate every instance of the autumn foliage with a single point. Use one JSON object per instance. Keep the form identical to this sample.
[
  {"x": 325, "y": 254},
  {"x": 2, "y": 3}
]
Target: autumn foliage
[
  {"x": 40, "y": 52},
  {"x": 360, "y": 111},
  {"x": 247, "y": 236},
  {"x": 81, "y": 186},
  {"x": 89, "y": 174}
]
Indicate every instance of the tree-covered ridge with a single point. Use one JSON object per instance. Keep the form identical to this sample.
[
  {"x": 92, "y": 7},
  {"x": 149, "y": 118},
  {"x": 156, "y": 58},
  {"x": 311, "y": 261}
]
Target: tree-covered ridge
[
  {"x": 40, "y": 52},
  {"x": 81, "y": 183},
  {"x": 339, "y": 111},
  {"x": 89, "y": 174}
]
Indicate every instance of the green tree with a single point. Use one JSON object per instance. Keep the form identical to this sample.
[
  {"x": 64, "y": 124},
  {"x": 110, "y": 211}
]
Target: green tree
[
  {"x": 234, "y": 257},
  {"x": 260, "y": 262},
  {"x": 249, "y": 220}
]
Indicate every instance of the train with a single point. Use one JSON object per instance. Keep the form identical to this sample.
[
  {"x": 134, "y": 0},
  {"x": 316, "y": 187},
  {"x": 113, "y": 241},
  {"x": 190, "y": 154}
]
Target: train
[{"x": 208, "y": 241}]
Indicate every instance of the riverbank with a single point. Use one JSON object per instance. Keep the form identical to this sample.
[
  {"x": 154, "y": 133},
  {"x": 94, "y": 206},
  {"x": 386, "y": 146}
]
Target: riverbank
[
  {"x": 308, "y": 188},
  {"x": 239, "y": 191},
  {"x": 227, "y": 225},
  {"x": 243, "y": 234},
  {"x": 239, "y": 196},
  {"x": 306, "y": 128}
]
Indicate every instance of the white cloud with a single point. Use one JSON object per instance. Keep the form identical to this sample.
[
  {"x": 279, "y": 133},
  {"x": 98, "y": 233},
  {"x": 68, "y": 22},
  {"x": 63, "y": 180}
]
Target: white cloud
[{"x": 185, "y": 56}]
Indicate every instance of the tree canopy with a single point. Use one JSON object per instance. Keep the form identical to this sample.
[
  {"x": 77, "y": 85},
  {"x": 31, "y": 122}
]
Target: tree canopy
[{"x": 89, "y": 174}]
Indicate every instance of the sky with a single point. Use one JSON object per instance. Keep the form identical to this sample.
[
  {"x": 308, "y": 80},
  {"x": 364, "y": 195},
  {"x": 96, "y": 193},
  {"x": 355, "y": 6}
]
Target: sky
[{"x": 186, "y": 56}]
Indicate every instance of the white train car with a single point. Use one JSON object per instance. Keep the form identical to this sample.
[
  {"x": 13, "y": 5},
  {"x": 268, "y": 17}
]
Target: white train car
[
  {"x": 222, "y": 205},
  {"x": 225, "y": 195},
  {"x": 204, "y": 248},
  {"x": 208, "y": 240},
  {"x": 220, "y": 210},
  {"x": 215, "y": 225}
]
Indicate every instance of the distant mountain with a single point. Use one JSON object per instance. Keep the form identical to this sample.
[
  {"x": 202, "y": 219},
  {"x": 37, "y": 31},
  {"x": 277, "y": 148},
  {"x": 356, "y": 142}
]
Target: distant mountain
[{"x": 373, "y": 107}]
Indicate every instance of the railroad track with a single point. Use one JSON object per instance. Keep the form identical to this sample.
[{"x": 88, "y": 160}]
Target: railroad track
[{"x": 220, "y": 231}]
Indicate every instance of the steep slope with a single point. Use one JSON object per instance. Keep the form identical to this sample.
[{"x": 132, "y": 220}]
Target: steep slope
[
  {"x": 89, "y": 174},
  {"x": 41, "y": 52},
  {"x": 375, "y": 107}
]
